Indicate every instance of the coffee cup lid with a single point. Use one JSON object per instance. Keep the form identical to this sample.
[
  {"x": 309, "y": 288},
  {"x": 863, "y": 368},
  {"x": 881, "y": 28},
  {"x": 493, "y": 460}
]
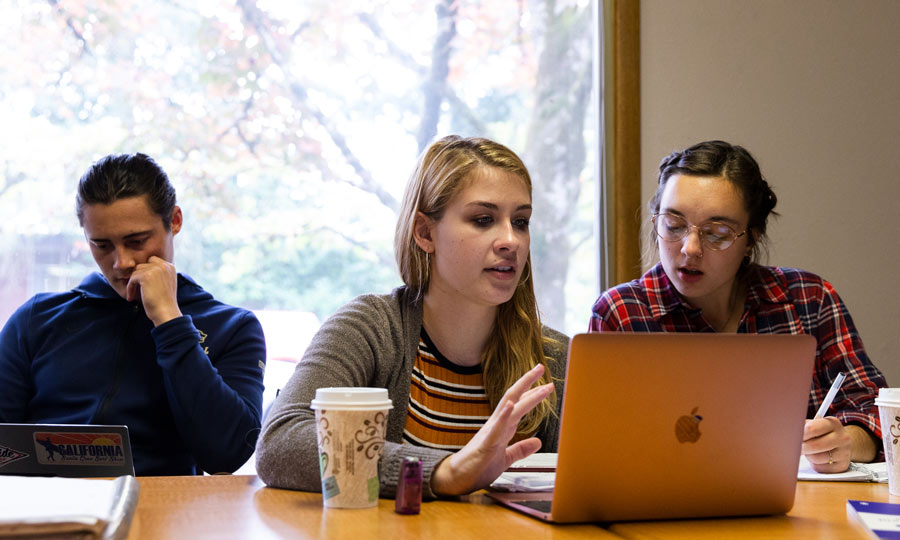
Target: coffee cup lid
[
  {"x": 888, "y": 396},
  {"x": 352, "y": 398}
]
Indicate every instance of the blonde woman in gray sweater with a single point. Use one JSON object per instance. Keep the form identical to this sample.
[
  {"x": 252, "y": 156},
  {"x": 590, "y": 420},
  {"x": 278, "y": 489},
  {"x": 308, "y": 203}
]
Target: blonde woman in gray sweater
[{"x": 474, "y": 377}]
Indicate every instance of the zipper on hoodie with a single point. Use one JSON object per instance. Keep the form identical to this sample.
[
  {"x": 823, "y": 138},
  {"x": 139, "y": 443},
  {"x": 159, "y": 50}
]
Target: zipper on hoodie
[{"x": 121, "y": 360}]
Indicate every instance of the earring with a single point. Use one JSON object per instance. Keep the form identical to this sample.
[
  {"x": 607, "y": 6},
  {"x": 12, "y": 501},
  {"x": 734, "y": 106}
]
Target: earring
[{"x": 426, "y": 269}]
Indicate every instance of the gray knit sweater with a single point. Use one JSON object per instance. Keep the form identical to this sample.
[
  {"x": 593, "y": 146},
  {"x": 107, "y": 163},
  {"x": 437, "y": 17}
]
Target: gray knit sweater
[{"x": 371, "y": 341}]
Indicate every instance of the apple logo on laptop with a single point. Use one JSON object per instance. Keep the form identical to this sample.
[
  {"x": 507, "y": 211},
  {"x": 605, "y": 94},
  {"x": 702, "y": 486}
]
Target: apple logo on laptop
[{"x": 687, "y": 428}]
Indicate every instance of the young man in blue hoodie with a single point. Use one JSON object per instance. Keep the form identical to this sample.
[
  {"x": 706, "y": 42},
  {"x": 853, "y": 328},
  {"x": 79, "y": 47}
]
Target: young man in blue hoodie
[{"x": 141, "y": 344}]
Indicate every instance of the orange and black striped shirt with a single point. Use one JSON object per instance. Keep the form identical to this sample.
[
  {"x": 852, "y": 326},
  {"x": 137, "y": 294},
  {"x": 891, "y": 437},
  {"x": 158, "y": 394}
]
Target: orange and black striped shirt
[{"x": 447, "y": 403}]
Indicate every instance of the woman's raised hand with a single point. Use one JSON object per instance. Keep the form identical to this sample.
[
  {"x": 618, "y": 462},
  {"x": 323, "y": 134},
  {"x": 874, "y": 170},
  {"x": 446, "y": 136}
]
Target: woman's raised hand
[{"x": 489, "y": 453}]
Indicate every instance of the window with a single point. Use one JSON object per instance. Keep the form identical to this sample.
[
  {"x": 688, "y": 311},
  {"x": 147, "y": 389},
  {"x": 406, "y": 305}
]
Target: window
[{"x": 289, "y": 130}]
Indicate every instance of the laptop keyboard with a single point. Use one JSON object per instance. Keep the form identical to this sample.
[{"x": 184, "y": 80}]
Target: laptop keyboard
[{"x": 540, "y": 506}]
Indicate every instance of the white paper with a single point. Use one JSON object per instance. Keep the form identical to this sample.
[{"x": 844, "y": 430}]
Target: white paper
[
  {"x": 525, "y": 481},
  {"x": 39, "y": 505},
  {"x": 545, "y": 460},
  {"x": 858, "y": 472},
  {"x": 515, "y": 480}
]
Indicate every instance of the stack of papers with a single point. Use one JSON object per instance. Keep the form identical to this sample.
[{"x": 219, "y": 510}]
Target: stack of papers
[
  {"x": 517, "y": 481},
  {"x": 40, "y": 507},
  {"x": 536, "y": 472}
]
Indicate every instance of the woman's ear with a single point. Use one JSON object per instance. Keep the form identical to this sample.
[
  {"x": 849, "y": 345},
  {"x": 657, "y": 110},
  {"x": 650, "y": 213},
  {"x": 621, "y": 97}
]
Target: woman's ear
[{"x": 422, "y": 226}]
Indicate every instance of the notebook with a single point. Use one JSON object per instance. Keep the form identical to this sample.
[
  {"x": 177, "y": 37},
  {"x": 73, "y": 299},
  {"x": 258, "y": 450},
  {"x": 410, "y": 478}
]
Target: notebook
[
  {"x": 662, "y": 426},
  {"x": 65, "y": 450},
  {"x": 45, "y": 508}
]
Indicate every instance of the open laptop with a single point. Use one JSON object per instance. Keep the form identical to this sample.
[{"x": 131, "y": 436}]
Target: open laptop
[
  {"x": 65, "y": 450},
  {"x": 659, "y": 426}
]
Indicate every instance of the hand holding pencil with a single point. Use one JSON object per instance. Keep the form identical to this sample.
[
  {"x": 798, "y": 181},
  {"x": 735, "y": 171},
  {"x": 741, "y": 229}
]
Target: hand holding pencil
[
  {"x": 829, "y": 397},
  {"x": 826, "y": 442}
]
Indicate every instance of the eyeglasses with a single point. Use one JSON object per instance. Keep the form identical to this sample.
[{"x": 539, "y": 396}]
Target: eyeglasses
[{"x": 714, "y": 234}]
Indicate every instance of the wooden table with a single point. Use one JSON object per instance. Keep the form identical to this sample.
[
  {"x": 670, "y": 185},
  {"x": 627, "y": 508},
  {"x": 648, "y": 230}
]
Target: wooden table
[
  {"x": 819, "y": 513},
  {"x": 218, "y": 507},
  {"x": 242, "y": 507}
]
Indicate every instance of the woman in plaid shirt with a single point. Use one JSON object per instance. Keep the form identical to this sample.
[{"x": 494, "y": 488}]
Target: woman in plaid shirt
[{"x": 709, "y": 218}]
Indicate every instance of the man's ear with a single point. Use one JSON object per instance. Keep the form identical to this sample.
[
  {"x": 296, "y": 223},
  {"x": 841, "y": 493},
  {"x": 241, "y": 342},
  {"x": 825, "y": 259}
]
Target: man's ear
[
  {"x": 422, "y": 226},
  {"x": 177, "y": 220}
]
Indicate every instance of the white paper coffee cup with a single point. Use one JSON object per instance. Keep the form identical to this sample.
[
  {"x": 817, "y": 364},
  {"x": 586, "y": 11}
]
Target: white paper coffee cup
[
  {"x": 350, "y": 427},
  {"x": 888, "y": 402}
]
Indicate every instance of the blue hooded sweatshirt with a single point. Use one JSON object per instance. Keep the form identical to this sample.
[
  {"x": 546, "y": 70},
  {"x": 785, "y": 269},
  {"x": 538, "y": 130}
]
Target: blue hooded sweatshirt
[{"x": 190, "y": 390}]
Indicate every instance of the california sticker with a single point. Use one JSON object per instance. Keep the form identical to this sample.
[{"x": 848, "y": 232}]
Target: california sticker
[
  {"x": 8, "y": 455},
  {"x": 79, "y": 448}
]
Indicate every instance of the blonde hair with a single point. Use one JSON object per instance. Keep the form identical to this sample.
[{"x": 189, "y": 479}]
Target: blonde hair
[{"x": 517, "y": 344}]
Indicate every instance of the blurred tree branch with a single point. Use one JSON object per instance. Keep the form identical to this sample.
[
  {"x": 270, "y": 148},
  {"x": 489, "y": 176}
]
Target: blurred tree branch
[
  {"x": 279, "y": 51},
  {"x": 555, "y": 147},
  {"x": 385, "y": 259},
  {"x": 71, "y": 25},
  {"x": 458, "y": 105},
  {"x": 446, "y": 11}
]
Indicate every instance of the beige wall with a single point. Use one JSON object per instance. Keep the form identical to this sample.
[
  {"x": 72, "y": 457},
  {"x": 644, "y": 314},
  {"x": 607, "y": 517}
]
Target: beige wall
[{"x": 812, "y": 89}]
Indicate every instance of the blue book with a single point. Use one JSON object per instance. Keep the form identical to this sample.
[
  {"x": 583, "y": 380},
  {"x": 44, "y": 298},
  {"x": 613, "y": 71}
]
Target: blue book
[{"x": 880, "y": 520}]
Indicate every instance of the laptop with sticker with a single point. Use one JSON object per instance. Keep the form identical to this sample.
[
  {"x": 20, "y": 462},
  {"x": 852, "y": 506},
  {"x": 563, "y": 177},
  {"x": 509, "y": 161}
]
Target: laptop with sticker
[
  {"x": 663, "y": 426},
  {"x": 65, "y": 450}
]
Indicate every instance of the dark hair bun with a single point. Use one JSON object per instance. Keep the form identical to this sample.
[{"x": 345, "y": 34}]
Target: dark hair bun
[{"x": 769, "y": 200}]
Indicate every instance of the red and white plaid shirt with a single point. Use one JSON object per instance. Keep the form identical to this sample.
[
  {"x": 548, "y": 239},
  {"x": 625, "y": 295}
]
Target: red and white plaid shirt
[{"x": 779, "y": 301}]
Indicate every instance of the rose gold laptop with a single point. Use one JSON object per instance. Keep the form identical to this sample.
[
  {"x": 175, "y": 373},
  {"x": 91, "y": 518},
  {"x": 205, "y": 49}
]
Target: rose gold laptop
[{"x": 659, "y": 426}]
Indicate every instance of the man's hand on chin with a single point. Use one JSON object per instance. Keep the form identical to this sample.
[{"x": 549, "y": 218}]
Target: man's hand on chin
[{"x": 155, "y": 283}]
